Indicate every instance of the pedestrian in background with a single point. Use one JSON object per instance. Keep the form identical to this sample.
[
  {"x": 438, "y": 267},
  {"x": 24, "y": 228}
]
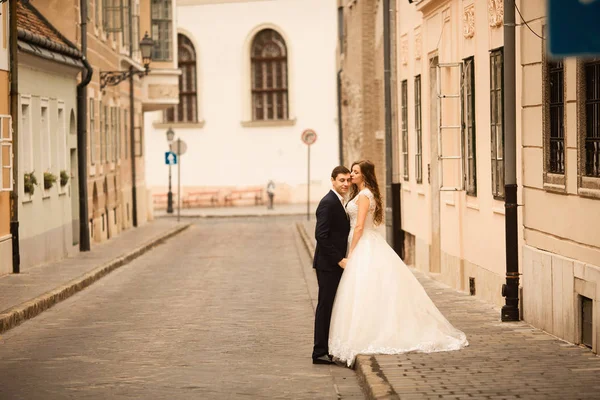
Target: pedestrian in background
[{"x": 271, "y": 194}]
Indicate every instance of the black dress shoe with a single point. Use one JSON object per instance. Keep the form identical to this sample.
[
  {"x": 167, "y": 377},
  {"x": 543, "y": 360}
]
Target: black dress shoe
[{"x": 323, "y": 360}]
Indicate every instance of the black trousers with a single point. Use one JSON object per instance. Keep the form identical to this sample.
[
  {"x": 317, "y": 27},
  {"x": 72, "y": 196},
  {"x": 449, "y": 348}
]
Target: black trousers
[{"x": 328, "y": 284}]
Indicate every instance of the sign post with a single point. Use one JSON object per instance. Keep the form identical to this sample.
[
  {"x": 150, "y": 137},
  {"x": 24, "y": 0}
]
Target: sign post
[
  {"x": 170, "y": 159},
  {"x": 180, "y": 149},
  {"x": 309, "y": 137}
]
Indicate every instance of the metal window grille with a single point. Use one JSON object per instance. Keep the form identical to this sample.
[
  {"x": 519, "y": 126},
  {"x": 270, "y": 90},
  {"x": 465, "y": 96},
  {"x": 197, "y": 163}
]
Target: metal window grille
[
  {"x": 269, "y": 76},
  {"x": 468, "y": 94},
  {"x": 186, "y": 110},
  {"x": 592, "y": 115},
  {"x": 162, "y": 21},
  {"x": 112, "y": 16},
  {"x": 557, "y": 117},
  {"x": 405, "y": 128},
  {"x": 341, "y": 28},
  {"x": 418, "y": 132},
  {"x": 497, "y": 123},
  {"x": 126, "y": 36},
  {"x": 6, "y": 154}
]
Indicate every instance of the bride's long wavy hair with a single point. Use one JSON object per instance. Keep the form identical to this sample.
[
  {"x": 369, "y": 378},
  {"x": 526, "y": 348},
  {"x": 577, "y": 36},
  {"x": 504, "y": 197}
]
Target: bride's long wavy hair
[{"x": 367, "y": 169}]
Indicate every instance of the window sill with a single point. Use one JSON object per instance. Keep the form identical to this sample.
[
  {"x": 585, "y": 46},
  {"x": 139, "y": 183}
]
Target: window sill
[
  {"x": 27, "y": 198},
  {"x": 499, "y": 210},
  {"x": 555, "y": 188},
  {"x": 46, "y": 195},
  {"x": 180, "y": 125},
  {"x": 406, "y": 189},
  {"x": 473, "y": 206},
  {"x": 268, "y": 123},
  {"x": 588, "y": 192},
  {"x": 421, "y": 192}
]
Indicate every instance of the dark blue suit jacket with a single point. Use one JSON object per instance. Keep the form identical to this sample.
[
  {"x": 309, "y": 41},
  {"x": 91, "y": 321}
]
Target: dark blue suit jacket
[{"x": 331, "y": 233}]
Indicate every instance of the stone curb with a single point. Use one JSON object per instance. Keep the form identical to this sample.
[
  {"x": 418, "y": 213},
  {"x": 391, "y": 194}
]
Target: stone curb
[
  {"x": 29, "y": 309},
  {"x": 208, "y": 216},
  {"x": 370, "y": 376}
]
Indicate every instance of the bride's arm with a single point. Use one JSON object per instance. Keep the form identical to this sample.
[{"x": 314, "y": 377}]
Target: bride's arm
[{"x": 363, "y": 210}]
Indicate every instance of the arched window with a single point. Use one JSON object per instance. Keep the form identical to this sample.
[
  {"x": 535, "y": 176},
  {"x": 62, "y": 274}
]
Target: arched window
[
  {"x": 269, "y": 76},
  {"x": 187, "y": 110}
]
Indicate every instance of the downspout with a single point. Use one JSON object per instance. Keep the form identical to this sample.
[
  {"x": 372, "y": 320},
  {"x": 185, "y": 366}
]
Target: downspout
[
  {"x": 84, "y": 232},
  {"x": 340, "y": 125},
  {"x": 387, "y": 82},
  {"x": 510, "y": 290},
  {"x": 131, "y": 125},
  {"x": 14, "y": 113}
]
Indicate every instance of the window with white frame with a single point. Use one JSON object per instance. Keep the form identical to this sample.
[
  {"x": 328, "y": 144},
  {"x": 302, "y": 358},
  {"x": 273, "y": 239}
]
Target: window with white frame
[
  {"x": 101, "y": 130},
  {"x": 162, "y": 25},
  {"x": 112, "y": 16},
  {"x": 46, "y": 144},
  {"x": 269, "y": 76},
  {"x": 6, "y": 153},
  {"x": 26, "y": 137},
  {"x": 61, "y": 137},
  {"x": 106, "y": 134},
  {"x": 418, "y": 132},
  {"x": 497, "y": 123},
  {"x": 405, "y": 129},
  {"x": 468, "y": 99}
]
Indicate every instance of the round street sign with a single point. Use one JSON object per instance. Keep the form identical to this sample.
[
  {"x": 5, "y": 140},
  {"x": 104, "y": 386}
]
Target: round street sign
[
  {"x": 309, "y": 137},
  {"x": 179, "y": 147}
]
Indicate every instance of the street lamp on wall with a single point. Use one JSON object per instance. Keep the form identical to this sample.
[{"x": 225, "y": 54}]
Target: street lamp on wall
[{"x": 113, "y": 78}]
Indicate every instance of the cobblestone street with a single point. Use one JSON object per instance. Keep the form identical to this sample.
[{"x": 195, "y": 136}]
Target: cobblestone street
[{"x": 220, "y": 311}]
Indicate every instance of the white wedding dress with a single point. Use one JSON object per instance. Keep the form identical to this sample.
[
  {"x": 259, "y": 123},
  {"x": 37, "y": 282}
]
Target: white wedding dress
[{"x": 380, "y": 307}]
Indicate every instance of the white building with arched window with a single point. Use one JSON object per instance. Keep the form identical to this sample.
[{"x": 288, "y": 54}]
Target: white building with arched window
[{"x": 255, "y": 74}]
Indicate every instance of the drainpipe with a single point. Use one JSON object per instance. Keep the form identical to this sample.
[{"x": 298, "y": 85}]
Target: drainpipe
[
  {"x": 340, "y": 126},
  {"x": 131, "y": 124},
  {"x": 84, "y": 230},
  {"x": 387, "y": 81},
  {"x": 14, "y": 113},
  {"x": 510, "y": 290}
]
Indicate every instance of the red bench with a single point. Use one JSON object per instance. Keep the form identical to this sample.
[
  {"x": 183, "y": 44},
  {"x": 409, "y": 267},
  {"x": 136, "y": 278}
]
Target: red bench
[
  {"x": 244, "y": 194},
  {"x": 195, "y": 199},
  {"x": 160, "y": 200}
]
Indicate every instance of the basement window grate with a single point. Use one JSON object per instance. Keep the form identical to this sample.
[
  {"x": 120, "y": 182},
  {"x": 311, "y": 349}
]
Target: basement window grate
[{"x": 587, "y": 309}]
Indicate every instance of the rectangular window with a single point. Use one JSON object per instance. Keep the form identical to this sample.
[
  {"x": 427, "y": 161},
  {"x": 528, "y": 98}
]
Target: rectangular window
[
  {"x": 556, "y": 109},
  {"x": 113, "y": 16},
  {"x": 45, "y": 139},
  {"x": 6, "y": 154},
  {"x": 97, "y": 7},
  {"x": 106, "y": 134},
  {"x": 119, "y": 150},
  {"x": 418, "y": 132},
  {"x": 497, "y": 123},
  {"x": 468, "y": 98},
  {"x": 341, "y": 28},
  {"x": 101, "y": 130},
  {"x": 592, "y": 116},
  {"x": 135, "y": 30},
  {"x": 162, "y": 21},
  {"x": 62, "y": 140},
  {"x": 405, "y": 128},
  {"x": 92, "y": 134},
  {"x": 126, "y": 132},
  {"x": 26, "y": 139},
  {"x": 126, "y": 36}
]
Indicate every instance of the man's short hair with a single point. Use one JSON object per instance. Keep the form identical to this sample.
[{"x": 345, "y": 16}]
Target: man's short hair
[{"x": 340, "y": 169}]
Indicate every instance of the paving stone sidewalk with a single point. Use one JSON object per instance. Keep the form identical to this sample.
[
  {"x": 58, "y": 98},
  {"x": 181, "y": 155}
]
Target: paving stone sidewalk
[
  {"x": 24, "y": 295},
  {"x": 503, "y": 360}
]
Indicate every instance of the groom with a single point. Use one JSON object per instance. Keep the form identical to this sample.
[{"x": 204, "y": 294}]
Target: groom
[{"x": 329, "y": 261}]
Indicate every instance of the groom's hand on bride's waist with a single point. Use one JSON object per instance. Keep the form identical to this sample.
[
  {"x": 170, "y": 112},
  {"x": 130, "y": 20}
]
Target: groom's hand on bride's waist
[{"x": 343, "y": 262}]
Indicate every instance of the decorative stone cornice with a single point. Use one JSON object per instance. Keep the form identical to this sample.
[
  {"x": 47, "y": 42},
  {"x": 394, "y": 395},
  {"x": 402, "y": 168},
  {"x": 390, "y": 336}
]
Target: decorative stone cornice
[{"x": 469, "y": 22}]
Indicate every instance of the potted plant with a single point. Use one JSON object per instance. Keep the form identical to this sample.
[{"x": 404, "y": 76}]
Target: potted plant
[
  {"x": 29, "y": 182},
  {"x": 49, "y": 179},
  {"x": 64, "y": 178}
]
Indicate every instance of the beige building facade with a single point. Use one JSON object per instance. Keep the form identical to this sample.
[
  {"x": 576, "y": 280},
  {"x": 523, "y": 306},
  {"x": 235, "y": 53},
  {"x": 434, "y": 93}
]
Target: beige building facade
[
  {"x": 48, "y": 191},
  {"x": 448, "y": 145},
  {"x": 6, "y": 148},
  {"x": 450, "y": 154},
  {"x": 114, "y": 32}
]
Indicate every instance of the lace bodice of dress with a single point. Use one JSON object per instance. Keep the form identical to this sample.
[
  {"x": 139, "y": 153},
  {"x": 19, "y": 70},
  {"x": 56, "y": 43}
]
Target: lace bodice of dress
[{"x": 352, "y": 209}]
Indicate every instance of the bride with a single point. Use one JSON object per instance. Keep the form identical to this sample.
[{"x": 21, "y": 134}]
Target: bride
[{"x": 380, "y": 307}]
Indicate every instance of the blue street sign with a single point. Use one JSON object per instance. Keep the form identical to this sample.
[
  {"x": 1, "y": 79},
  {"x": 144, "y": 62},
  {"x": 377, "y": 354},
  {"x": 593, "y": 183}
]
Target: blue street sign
[
  {"x": 170, "y": 158},
  {"x": 574, "y": 27}
]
